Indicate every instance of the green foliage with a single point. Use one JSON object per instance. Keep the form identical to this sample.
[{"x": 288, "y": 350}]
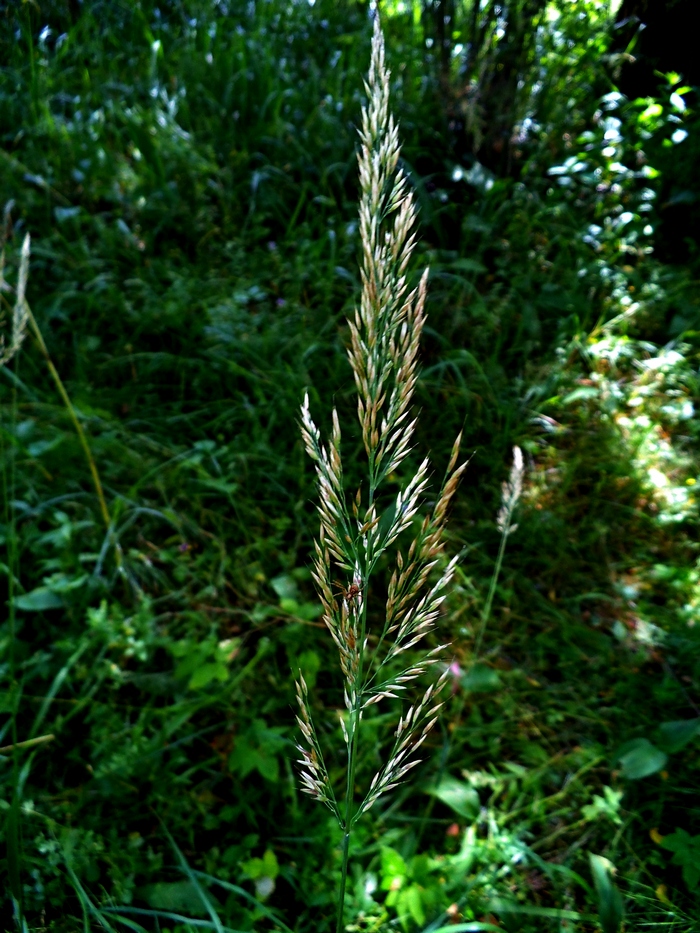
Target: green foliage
[
  {"x": 409, "y": 887},
  {"x": 686, "y": 853},
  {"x": 607, "y": 806},
  {"x": 256, "y": 749}
]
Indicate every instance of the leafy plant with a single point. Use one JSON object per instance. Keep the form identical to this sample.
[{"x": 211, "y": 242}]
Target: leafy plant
[
  {"x": 606, "y": 806},
  {"x": 686, "y": 853},
  {"x": 412, "y": 888}
]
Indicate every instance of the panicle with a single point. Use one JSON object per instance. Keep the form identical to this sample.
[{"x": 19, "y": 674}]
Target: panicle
[
  {"x": 511, "y": 492},
  {"x": 385, "y": 333},
  {"x": 20, "y": 311}
]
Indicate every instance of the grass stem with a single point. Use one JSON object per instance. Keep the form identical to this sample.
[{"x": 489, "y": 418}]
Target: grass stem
[
  {"x": 340, "y": 925},
  {"x": 28, "y": 743},
  {"x": 82, "y": 437},
  {"x": 483, "y": 622},
  {"x": 512, "y": 490}
]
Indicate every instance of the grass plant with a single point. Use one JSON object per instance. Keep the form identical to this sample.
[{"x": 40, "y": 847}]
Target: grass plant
[{"x": 385, "y": 335}]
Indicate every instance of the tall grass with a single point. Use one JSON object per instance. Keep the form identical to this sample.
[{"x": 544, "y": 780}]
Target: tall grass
[
  {"x": 193, "y": 256},
  {"x": 385, "y": 333}
]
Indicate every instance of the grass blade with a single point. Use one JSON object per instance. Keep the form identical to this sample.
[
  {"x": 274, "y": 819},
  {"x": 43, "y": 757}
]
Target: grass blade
[
  {"x": 235, "y": 889},
  {"x": 184, "y": 865}
]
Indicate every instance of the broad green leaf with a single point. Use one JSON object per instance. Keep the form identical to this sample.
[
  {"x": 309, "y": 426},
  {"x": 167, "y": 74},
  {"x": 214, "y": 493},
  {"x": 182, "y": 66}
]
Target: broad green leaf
[
  {"x": 205, "y": 673},
  {"x": 285, "y": 586},
  {"x": 412, "y": 902},
  {"x": 39, "y": 600},
  {"x": 639, "y": 758},
  {"x": 265, "y": 867},
  {"x": 652, "y": 112},
  {"x": 306, "y": 611},
  {"x": 608, "y": 806},
  {"x": 268, "y": 766},
  {"x": 256, "y": 750},
  {"x": 465, "y": 264},
  {"x": 309, "y": 611},
  {"x": 686, "y": 853},
  {"x": 309, "y": 663},
  {"x": 394, "y": 869},
  {"x": 244, "y": 758},
  {"x": 458, "y": 795},
  {"x": 270, "y": 864},
  {"x": 673, "y": 736}
]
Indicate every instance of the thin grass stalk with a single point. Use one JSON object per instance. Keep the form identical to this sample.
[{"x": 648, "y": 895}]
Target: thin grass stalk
[
  {"x": 511, "y": 493},
  {"x": 20, "y": 322},
  {"x": 486, "y": 611},
  {"x": 14, "y": 848},
  {"x": 22, "y": 316},
  {"x": 82, "y": 437}
]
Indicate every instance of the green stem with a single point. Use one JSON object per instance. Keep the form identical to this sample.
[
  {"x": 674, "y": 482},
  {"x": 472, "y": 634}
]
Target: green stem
[
  {"x": 106, "y": 518},
  {"x": 492, "y": 590},
  {"x": 28, "y": 743},
  {"x": 347, "y": 822},
  {"x": 343, "y": 882}
]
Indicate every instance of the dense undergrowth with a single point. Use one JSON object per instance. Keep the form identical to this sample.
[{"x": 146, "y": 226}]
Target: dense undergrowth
[{"x": 188, "y": 177}]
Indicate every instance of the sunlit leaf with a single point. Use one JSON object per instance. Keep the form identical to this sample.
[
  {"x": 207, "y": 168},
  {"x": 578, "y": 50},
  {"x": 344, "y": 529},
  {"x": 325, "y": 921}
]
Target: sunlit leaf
[
  {"x": 394, "y": 869},
  {"x": 458, "y": 796}
]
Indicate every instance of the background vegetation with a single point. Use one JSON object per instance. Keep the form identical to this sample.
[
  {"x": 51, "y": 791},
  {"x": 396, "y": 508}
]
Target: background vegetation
[{"x": 187, "y": 171}]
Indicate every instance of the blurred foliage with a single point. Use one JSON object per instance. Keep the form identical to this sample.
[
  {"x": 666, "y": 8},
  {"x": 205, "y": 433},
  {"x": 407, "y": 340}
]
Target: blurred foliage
[{"x": 187, "y": 173}]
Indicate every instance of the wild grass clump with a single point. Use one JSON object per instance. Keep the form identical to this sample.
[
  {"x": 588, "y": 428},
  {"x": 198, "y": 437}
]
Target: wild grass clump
[{"x": 385, "y": 338}]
